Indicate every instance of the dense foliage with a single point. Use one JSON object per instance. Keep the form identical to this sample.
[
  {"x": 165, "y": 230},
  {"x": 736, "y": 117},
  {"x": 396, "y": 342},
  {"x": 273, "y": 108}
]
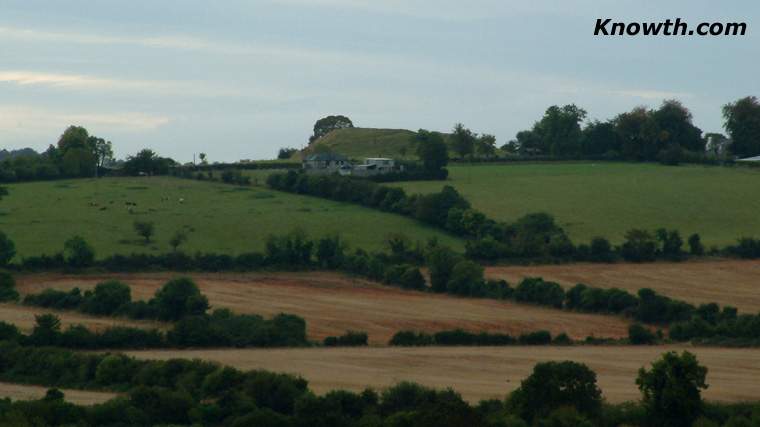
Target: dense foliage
[{"x": 179, "y": 301}]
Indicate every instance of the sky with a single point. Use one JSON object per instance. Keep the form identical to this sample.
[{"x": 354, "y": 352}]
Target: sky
[{"x": 240, "y": 79}]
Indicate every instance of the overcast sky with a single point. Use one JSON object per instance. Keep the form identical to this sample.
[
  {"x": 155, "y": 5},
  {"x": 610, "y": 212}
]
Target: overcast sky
[{"x": 239, "y": 79}]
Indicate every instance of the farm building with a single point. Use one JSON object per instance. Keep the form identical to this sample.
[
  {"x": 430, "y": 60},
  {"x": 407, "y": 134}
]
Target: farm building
[{"x": 322, "y": 163}]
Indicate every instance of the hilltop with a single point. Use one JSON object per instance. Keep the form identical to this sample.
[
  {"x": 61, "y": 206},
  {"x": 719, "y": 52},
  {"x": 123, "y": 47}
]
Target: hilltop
[{"x": 358, "y": 143}]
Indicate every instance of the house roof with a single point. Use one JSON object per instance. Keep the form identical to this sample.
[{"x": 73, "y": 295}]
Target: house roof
[{"x": 325, "y": 157}]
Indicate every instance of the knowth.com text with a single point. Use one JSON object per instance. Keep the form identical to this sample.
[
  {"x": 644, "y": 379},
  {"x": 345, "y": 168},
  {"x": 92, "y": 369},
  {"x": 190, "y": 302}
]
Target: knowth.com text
[{"x": 606, "y": 27}]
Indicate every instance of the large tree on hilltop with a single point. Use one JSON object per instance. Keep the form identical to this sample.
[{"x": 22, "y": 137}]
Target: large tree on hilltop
[{"x": 328, "y": 124}]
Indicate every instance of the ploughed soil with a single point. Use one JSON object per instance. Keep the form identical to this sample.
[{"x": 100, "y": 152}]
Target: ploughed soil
[{"x": 333, "y": 304}]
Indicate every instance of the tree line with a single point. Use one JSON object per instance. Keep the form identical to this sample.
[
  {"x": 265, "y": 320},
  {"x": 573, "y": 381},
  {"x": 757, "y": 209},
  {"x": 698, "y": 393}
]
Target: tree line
[
  {"x": 185, "y": 392},
  {"x": 665, "y": 134},
  {"x": 179, "y": 301}
]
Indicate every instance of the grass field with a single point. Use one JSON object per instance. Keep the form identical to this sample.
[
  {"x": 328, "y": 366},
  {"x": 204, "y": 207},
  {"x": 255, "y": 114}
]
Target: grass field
[
  {"x": 607, "y": 199},
  {"x": 483, "y": 373},
  {"x": 39, "y": 217}
]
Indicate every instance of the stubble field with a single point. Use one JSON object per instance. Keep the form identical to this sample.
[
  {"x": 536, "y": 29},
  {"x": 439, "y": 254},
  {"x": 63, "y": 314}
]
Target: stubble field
[{"x": 333, "y": 304}]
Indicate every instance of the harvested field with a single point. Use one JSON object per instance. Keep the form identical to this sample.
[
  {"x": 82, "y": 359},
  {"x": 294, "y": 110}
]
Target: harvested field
[
  {"x": 733, "y": 283},
  {"x": 334, "y": 304},
  {"x": 28, "y": 392},
  {"x": 481, "y": 373},
  {"x": 23, "y": 318}
]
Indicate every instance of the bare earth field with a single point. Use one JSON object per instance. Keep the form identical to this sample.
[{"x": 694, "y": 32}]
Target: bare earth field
[
  {"x": 733, "y": 283},
  {"x": 334, "y": 304},
  {"x": 482, "y": 373},
  {"x": 29, "y": 392}
]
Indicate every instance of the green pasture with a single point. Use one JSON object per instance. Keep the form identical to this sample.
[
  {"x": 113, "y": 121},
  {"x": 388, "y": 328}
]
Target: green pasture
[
  {"x": 39, "y": 217},
  {"x": 607, "y": 199}
]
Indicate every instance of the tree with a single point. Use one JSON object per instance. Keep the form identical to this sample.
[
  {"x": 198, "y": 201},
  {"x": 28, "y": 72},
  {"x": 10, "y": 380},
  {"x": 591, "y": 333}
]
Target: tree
[
  {"x": 695, "y": 245},
  {"x": 78, "y": 253},
  {"x": 440, "y": 261},
  {"x": 743, "y": 125},
  {"x": 671, "y": 390},
  {"x": 599, "y": 138},
  {"x": 431, "y": 150},
  {"x": 108, "y": 296},
  {"x": 180, "y": 236},
  {"x": 286, "y": 153},
  {"x": 47, "y": 330},
  {"x": 202, "y": 156},
  {"x": 146, "y": 161},
  {"x": 463, "y": 140},
  {"x": 178, "y": 298},
  {"x": 639, "y": 246},
  {"x": 79, "y": 162},
  {"x": 486, "y": 145},
  {"x": 7, "y": 249},
  {"x": 75, "y": 137},
  {"x": 328, "y": 124},
  {"x": 629, "y": 129},
  {"x": 466, "y": 278},
  {"x": 103, "y": 151},
  {"x": 145, "y": 229},
  {"x": 674, "y": 123},
  {"x": 562, "y": 129},
  {"x": 556, "y": 384}
]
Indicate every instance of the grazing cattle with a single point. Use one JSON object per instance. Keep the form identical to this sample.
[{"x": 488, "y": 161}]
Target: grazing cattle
[
  {"x": 92, "y": 204},
  {"x": 152, "y": 209},
  {"x": 129, "y": 210},
  {"x": 110, "y": 202},
  {"x": 103, "y": 208},
  {"x": 182, "y": 201},
  {"x": 164, "y": 199}
]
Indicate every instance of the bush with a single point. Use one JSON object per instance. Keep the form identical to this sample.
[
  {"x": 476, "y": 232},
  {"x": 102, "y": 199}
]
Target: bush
[
  {"x": 536, "y": 290},
  {"x": 7, "y": 249},
  {"x": 466, "y": 279},
  {"x": 7, "y": 283},
  {"x": 78, "y": 253},
  {"x": 349, "y": 339},
  {"x": 535, "y": 338},
  {"x": 638, "y": 334},
  {"x": 409, "y": 338},
  {"x": 108, "y": 297}
]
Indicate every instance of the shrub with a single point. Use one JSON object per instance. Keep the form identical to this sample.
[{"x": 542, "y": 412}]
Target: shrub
[
  {"x": 638, "y": 334},
  {"x": 7, "y": 283},
  {"x": 78, "y": 253}
]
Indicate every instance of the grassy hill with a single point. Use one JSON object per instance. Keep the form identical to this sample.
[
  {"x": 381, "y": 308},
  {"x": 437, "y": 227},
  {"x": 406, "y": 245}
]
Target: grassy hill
[
  {"x": 358, "y": 143},
  {"x": 40, "y": 216},
  {"x": 607, "y": 199}
]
